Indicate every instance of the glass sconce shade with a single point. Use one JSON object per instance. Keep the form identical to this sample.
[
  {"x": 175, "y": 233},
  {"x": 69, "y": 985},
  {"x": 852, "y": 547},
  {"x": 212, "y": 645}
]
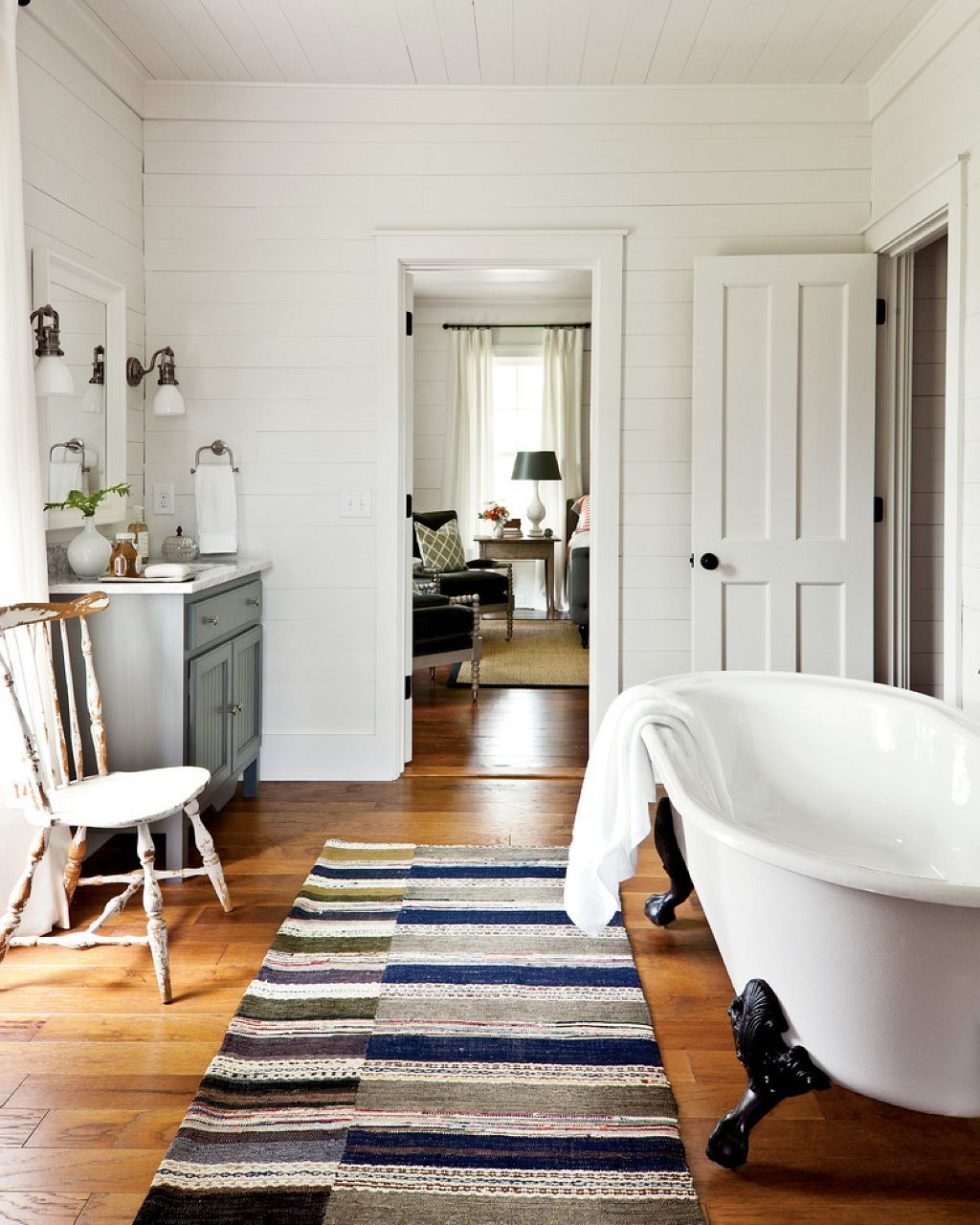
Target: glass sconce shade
[
  {"x": 51, "y": 376},
  {"x": 168, "y": 402}
]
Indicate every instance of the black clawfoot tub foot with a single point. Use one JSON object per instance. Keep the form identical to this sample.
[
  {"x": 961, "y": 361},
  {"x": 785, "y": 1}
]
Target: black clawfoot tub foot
[
  {"x": 775, "y": 1071},
  {"x": 660, "y": 908}
]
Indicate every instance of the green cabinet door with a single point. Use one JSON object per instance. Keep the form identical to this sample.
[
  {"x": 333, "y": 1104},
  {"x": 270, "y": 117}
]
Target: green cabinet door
[
  {"x": 246, "y": 702},
  {"x": 209, "y": 724}
]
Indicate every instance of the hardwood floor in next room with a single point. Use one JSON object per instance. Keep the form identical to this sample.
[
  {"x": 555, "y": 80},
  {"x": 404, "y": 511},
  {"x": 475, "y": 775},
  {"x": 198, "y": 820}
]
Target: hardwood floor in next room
[{"x": 95, "y": 1074}]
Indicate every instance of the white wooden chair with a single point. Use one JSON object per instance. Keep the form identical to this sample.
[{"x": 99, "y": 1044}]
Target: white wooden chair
[{"x": 56, "y": 791}]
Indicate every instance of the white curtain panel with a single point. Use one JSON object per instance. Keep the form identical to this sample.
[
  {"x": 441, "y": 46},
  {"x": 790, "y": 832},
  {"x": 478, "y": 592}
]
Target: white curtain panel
[
  {"x": 23, "y": 568},
  {"x": 469, "y": 442},
  {"x": 562, "y": 433}
]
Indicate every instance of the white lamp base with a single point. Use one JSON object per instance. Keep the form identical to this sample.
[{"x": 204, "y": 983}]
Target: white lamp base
[{"x": 535, "y": 513}]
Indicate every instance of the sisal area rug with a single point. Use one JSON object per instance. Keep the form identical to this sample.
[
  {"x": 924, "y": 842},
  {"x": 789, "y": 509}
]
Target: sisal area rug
[
  {"x": 541, "y": 655},
  {"x": 430, "y": 1041}
]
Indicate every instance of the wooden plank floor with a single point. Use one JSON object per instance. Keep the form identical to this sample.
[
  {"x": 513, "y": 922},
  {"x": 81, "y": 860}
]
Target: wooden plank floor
[{"x": 95, "y": 1074}]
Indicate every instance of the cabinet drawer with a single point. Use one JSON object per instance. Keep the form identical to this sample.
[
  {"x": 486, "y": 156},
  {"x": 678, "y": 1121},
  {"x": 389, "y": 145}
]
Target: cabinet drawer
[{"x": 220, "y": 615}]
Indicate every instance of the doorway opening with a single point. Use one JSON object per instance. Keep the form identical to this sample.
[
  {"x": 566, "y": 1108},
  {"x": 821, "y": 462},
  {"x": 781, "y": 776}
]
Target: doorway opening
[
  {"x": 401, "y": 256},
  {"x": 918, "y": 624},
  {"x": 926, "y": 439},
  {"x": 501, "y": 382}
]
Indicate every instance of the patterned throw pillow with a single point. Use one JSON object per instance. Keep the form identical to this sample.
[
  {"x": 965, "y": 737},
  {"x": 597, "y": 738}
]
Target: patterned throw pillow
[
  {"x": 441, "y": 550},
  {"x": 584, "y": 512}
]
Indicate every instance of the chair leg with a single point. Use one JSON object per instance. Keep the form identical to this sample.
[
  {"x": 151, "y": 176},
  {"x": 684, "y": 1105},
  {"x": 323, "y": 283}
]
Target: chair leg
[
  {"x": 22, "y": 891},
  {"x": 475, "y": 673},
  {"x": 205, "y": 844},
  {"x": 156, "y": 928},
  {"x": 76, "y": 856}
]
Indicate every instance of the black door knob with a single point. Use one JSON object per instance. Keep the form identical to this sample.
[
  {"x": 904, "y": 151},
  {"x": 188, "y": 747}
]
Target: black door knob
[{"x": 709, "y": 561}]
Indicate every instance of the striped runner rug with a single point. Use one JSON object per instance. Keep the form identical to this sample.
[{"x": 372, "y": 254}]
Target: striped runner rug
[{"x": 430, "y": 1041}]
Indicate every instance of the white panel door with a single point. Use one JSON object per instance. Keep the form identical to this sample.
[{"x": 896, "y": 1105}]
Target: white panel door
[{"x": 783, "y": 463}]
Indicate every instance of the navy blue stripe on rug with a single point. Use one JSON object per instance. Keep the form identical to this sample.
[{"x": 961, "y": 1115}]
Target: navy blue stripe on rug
[
  {"x": 420, "y": 871},
  {"x": 597, "y": 1052},
  {"x": 541, "y": 1152},
  {"x": 498, "y": 918},
  {"x": 532, "y": 976}
]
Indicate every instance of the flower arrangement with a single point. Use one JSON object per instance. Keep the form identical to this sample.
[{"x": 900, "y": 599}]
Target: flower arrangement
[
  {"x": 494, "y": 512},
  {"x": 87, "y": 503}
]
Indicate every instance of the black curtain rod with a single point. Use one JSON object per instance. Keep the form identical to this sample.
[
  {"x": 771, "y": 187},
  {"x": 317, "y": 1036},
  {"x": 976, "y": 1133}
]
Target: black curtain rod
[{"x": 461, "y": 327}]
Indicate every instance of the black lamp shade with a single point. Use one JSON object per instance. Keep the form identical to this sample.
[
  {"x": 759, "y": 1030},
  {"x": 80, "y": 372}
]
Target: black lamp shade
[{"x": 536, "y": 466}]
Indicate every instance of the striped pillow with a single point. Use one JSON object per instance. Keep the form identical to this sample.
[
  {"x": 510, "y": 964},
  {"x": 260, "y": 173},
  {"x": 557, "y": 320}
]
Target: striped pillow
[
  {"x": 442, "y": 549},
  {"x": 582, "y": 509}
]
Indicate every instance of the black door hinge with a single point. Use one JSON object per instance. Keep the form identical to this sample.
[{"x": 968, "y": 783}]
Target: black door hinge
[
  {"x": 879, "y": 510},
  {"x": 408, "y": 687},
  {"x": 881, "y": 311},
  {"x": 408, "y": 506},
  {"x": 408, "y": 323}
]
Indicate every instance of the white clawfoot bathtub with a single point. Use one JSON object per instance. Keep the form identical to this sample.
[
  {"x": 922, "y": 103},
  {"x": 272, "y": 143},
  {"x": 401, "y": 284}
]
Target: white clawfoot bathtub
[{"x": 846, "y": 873}]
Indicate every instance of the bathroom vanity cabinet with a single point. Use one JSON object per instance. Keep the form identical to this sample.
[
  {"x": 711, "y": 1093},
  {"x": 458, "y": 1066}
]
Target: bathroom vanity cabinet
[{"x": 180, "y": 668}]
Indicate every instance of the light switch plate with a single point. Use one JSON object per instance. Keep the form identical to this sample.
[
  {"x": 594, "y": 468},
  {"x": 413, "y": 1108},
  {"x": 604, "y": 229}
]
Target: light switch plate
[{"x": 355, "y": 504}]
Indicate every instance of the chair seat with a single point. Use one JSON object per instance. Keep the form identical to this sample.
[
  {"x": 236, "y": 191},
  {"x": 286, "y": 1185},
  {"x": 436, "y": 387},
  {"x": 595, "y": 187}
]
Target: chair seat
[
  {"x": 489, "y": 585},
  {"x": 122, "y": 798},
  {"x": 438, "y": 626}
]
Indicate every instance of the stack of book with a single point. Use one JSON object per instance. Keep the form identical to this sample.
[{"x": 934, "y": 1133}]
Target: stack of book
[{"x": 512, "y": 529}]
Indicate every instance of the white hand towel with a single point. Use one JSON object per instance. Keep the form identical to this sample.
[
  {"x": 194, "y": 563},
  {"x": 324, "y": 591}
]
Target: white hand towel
[
  {"x": 64, "y": 475},
  {"x": 217, "y": 508},
  {"x": 613, "y": 815}
]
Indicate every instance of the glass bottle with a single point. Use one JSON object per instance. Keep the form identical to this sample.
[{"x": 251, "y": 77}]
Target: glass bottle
[
  {"x": 141, "y": 531},
  {"x": 125, "y": 561}
]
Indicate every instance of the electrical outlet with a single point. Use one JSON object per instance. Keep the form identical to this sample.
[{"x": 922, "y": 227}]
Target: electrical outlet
[
  {"x": 355, "y": 504},
  {"x": 163, "y": 498}
]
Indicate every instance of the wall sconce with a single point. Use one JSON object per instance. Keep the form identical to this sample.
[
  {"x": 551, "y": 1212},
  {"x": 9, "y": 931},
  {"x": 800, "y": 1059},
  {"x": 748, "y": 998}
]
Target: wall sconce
[
  {"x": 51, "y": 376},
  {"x": 92, "y": 401},
  {"x": 168, "y": 402}
]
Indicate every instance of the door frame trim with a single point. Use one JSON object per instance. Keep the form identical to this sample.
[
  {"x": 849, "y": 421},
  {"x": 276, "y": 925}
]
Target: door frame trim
[
  {"x": 399, "y": 252},
  {"x": 937, "y": 206}
]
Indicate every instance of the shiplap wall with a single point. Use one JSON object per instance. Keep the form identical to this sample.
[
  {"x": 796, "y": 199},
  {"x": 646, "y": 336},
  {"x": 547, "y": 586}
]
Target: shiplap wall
[
  {"x": 260, "y": 204},
  {"x": 431, "y": 395},
  {"x": 926, "y": 114},
  {"x": 83, "y": 183}
]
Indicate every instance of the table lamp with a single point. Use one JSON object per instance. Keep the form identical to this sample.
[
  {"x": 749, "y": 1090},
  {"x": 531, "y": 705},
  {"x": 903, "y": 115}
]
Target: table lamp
[{"x": 535, "y": 466}]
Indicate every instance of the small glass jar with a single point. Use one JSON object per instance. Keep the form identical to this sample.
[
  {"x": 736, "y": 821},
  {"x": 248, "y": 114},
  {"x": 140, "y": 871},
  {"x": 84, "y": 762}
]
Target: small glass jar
[
  {"x": 179, "y": 547},
  {"x": 125, "y": 560}
]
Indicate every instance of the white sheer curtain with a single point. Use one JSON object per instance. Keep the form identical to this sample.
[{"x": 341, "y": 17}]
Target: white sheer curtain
[
  {"x": 23, "y": 568},
  {"x": 468, "y": 482},
  {"x": 562, "y": 433}
]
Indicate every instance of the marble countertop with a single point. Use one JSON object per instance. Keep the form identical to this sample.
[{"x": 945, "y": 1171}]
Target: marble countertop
[{"x": 210, "y": 574}]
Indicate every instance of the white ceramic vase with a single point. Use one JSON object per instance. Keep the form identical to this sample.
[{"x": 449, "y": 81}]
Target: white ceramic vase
[
  {"x": 89, "y": 551},
  {"x": 498, "y": 529}
]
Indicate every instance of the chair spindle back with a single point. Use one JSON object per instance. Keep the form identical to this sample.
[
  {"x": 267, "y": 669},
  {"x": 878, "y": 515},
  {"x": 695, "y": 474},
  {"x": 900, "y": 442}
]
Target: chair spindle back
[{"x": 29, "y": 672}]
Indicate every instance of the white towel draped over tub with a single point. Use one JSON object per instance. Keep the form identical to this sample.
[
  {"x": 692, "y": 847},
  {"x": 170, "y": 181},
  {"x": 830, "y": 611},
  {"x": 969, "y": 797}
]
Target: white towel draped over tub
[
  {"x": 613, "y": 815},
  {"x": 217, "y": 508}
]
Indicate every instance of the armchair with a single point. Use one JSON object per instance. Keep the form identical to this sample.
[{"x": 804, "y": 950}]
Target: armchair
[
  {"x": 445, "y": 631},
  {"x": 491, "y": 581}
]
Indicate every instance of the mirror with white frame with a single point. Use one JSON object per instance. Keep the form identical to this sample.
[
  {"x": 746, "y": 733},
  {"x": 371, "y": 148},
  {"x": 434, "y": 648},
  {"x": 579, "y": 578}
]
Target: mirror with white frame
[{"x": 83, "y": 436}]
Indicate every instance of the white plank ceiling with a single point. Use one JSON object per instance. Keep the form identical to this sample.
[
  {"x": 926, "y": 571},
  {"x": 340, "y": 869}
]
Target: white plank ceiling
[{"x": 509, "y": 42}]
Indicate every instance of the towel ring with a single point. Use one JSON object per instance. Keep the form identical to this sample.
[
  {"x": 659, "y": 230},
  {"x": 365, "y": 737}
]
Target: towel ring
[
  {"x": 76, "y": 446},
  {"x": 217, "y": 448}
]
